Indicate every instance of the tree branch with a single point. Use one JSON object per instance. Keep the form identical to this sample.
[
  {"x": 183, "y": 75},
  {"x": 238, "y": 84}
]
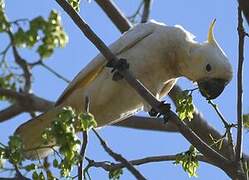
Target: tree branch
[
  {"x": 113, "y": 166},
  {"x": 24, "y": 102},
  {"x": 120, "y": 158},
  {"x": 114, "y": 13},
  {"x": 10, "y": 112},
  {"x": 84, "y": 142},
  {"x": 82, "y": 153},
  {"x": 241, "y": 34},
  {"x": 54, "y": 72},
  {"x": 244, "y": 5},
  {"x": 22, "y": 63},
  {"x": 146, "y": 10},
  {"x": 147, "y": 123},
  {"x": 239, "y": 145}
]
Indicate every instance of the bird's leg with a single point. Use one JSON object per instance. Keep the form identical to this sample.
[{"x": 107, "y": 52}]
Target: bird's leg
[
  {"x": 165, "y": 107},
  {"x": 120, "y": 65}
]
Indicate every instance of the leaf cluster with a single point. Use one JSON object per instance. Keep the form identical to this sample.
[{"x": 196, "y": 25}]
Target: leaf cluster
[
  {"x": 48, "y": 32},
  {"x": 115, "y": 174},
  {"x": 184, "y": 105},
  {"x": 75, "y": 4},
  {"x": 4, "y": 24},
  {"x": 63, "y": 131},
  {"x": 246, "y": 120},
  {"x": 189, "y": 161}
]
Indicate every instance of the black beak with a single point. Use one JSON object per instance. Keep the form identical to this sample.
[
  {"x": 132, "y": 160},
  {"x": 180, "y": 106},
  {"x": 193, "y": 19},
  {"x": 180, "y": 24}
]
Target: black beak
[{"x": 211, "y": 88}]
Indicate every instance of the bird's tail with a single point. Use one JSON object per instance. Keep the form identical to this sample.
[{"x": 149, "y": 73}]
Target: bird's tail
[{"x": 31, "y": 131}]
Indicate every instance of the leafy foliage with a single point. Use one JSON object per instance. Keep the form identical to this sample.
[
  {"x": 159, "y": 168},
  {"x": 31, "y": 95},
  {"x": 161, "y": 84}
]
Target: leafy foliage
[
  {"x": 184, "y": 104},
  {"x": 64, "y": 132},
  {"x": 13, "y": 152},
  {"x": 49, "y": 32},
  {"x": 4, "y": 24},
  {"x": 246, "y": 120},
  {"x": 189, "y": 161},
  {"x": 87, "y": 121},
  {"x": 41, "y": 34},
  {"x": 75, "y": 4}
]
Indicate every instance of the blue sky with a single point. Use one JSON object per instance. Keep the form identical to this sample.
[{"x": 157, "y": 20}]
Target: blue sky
[{"x": 193, "y": 15}]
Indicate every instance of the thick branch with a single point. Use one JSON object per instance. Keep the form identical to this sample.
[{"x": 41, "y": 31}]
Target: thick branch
[
  {"x": 25, "y": 102},
  {"x": 114, "y": 13},
  {"x": 244, "y": 5},
  {"x": 142, "y": 91},
  {"x": 10, "y": 112},
  {"x": 146, "y": 10},
  {"x": 147, "y": 123}
]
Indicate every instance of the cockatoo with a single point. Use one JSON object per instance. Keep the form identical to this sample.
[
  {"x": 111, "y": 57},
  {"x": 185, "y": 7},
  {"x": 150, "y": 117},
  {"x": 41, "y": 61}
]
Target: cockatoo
[{"x": 157, "y": 55}]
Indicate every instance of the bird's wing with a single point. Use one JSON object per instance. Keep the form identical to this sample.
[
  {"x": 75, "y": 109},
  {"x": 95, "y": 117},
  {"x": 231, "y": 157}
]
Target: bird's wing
[{"x": 94, "y": 68}]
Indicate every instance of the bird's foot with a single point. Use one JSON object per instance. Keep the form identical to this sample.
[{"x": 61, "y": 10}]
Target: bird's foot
[
  {"x": 120, "y": 65},
  {"x": 165, "y": 107}
]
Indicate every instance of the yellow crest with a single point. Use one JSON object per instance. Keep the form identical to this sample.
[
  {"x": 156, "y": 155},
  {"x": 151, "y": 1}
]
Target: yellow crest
[{"x": 211, "y": 39}]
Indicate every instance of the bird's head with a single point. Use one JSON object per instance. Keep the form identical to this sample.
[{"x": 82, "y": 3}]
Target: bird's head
[{"x": 209, "y": 67}]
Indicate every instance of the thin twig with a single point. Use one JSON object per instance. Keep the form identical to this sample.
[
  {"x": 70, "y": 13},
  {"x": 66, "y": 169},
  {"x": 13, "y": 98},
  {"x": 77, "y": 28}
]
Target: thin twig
[
  {"x": 119, "y": 158},
  {"x": 3, "y": 52},
  {"x": 109, "y": 166},
  {"x": 241, "y": 34},
  {"x": 84, "y": 143},
  {"x": 227, "y": 126},
  {"x": 132, "y": 17},
  {"x": 82, "y": 153},
  {"x": 239, "y": 145},
  {"x": 19, "y": 174},
  {"x": 54, "y": 72},
  {"x": 223, "y": 119},
  {"x": 22, "y": 63}
]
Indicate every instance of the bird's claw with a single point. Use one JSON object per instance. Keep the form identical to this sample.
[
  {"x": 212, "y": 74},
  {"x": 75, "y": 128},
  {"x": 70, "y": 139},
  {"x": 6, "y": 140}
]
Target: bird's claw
[
  {"x": 165, "y": 107},
  {"x": 117, "y": 66}
]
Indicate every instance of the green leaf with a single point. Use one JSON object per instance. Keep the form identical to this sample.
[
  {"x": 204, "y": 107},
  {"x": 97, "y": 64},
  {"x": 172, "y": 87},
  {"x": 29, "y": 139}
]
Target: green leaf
[
  {"x": 87, "y": 121},
  {"x": 55, "y": 163},
  {"x": 47, "y": 34},
  {"x": 4, "y": 24},
  {"x": 115, "y": 174},
  {"x": 189, "y": 161},
  {"x": 185, "y": 107},
  {"x": 63, "y": 131},
  {"x": 246, "y": 120},
  {"x": 7, "y": 81},
  {"x": 15, "y": 150},
  {"x": 30, "y": 167},
  {"x": 35, "y": 175},
  {"x": 41, "y": 176},
  {"x": 75, "y": 4}
]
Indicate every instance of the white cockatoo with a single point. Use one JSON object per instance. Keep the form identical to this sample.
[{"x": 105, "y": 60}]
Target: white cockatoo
[{"x": 157, "y": 55}]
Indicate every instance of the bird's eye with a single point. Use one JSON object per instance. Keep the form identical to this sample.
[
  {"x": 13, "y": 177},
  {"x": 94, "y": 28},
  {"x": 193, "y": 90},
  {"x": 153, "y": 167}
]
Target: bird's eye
[{"x": 208, "y": 68}]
